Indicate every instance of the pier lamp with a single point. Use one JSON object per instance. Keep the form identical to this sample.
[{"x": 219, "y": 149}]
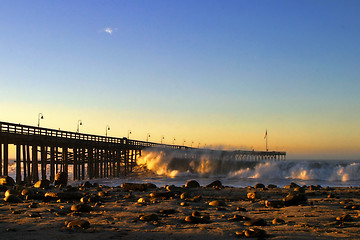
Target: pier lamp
[
  {"x": 174, "y": 141},
  {"x": 129, "y": 132},
  {"x": 147, "y": 137},
  {"x": 107, "y": 129},
  {"x": 78, "y": 126},
  {"x": 192, "y": 142},
  {"x": 162, "y": 138},
  {"x": 184, "y": 142},
  {"x": 199, "y": 145},
  {"x": 40, "y": 116}
]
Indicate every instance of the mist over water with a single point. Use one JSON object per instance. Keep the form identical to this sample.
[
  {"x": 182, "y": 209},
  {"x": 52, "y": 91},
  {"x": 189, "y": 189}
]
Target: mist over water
[{"x": 243, "y": 173}]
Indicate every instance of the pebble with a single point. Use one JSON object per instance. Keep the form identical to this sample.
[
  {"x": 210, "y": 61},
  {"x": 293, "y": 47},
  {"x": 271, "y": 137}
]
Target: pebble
[
  {"x": 143, "y": 200},
  {"x": 254, "y": 233},
  {"x": 35, "y": 215},
  {"x": 149, "y": 217},
  {"x": 167, "y": 211},
  {"x": 77, "y": 223},
  {"x": 344, "y": 218},
  {"x": 194, "y": 219},
  {"x": 274, "y": 203},
  {"x": 34, "y": 205},
  {"x": 217, "y": 203},
  {"x": 255, "y": 222},
  {"x": 278, "y": 221},
  {"x": 137, "y": 186},
  {"x": 240, "y": 209},
  {"x": 237, "y": 218},
  {"x": 185, "y": 195},
  {"x": 81, "y": 208}
]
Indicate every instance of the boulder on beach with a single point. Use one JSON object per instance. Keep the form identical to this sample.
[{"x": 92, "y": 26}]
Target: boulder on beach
[
  {"x": 274, "y": 203},
  {"x": 78, "y": 223},
  {"x": 137, "y": 186},
  {"x": 81, "y": 207},
  {"x": 295, "y": 198},
  {"x": 27, "y": 192},
  {"x": 291, "y": 185},
  {"x": 65, "y": 195},
  {"x": 166, "y": 194},
  {"x": 215, "y": 184},
  {"x": 7, "y": 181},
  {"x": 259, "y": 186},
  {"x": 253, "y": 195},
  {"x": 42, "y": 184},
  {"x": 12, "y": 198},
  {"x": 192, "y": 184},
  {"x": 11, "y": 192},
  {"x": 254, "y": 233},
  {"x": 61, "y": 178}
]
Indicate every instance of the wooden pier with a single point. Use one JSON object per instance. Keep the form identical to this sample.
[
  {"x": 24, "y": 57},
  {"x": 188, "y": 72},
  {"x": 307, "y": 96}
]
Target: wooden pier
[{"x": 43, "y": 151}]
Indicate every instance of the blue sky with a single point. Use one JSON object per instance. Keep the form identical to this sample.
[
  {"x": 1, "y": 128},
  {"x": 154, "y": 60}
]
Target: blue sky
[{"x": 215, "y": 72}]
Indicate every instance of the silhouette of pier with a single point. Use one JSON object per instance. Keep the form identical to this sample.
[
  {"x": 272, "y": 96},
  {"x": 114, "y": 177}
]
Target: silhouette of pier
[{"x": 42, "y": 151}]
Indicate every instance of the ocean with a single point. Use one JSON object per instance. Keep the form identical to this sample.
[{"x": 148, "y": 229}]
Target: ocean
[{"x": 162, "y": 168}]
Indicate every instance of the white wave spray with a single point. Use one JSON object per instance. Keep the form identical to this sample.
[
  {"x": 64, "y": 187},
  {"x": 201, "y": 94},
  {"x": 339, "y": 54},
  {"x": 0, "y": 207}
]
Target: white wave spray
[{"x": 168, "y": 163}]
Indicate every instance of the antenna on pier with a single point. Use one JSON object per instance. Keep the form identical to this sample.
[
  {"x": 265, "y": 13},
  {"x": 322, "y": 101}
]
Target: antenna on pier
[{"x": 266, "y": 140}]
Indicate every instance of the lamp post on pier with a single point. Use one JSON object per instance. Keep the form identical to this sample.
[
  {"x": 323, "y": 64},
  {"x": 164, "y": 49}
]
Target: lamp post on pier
[
  {"x": 107, "y": 128},
  {"x": 129, "y": 132},
  {"x": 174, "y": 141},
  {"x": 184, "y": 142},
  {"x": 78, "y": 126},
  {"x": 40, "y": 116},
  {"x": 162, "y": 138}
]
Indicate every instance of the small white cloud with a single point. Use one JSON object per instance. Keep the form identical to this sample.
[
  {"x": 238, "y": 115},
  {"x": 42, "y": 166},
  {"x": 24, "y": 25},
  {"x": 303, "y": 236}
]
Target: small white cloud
[{"x": 108, "y": 30}]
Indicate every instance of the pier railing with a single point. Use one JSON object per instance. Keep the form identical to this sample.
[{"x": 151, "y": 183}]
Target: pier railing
[{"x": 25, "y": 130}]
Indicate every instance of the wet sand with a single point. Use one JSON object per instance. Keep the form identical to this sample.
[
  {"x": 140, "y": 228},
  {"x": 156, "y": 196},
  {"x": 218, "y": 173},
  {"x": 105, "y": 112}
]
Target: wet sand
[{"x": 160, "y": 213}]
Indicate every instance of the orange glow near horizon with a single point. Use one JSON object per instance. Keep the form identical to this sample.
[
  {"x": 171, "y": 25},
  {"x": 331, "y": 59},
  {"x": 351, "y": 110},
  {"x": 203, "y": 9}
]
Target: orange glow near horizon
[{"x": 298, "y": 143}]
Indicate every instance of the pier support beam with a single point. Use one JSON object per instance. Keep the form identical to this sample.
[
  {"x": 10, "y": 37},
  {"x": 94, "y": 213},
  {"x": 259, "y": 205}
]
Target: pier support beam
[
  {"x": 1, "y": 159},
  {"x": 6, "y": 159},
  {"x": 18, "y": 163},
  {"x": 35, "y": 172},
  {"x": 52, "y": 164},
  {"x": 28, "y": 164},
  {"x": 43, "y": 161}
]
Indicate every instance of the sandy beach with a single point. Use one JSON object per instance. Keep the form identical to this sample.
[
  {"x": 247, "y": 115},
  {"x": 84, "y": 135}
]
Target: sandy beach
[{"x": 141, "y": 211}]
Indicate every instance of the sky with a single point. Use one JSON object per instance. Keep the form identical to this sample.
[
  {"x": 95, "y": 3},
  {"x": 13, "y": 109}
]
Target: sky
[{"x": 210, "y": 73}]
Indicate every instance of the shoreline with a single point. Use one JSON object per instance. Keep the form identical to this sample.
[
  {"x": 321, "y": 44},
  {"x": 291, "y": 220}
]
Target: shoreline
[{"x": 161, "y": 213}]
